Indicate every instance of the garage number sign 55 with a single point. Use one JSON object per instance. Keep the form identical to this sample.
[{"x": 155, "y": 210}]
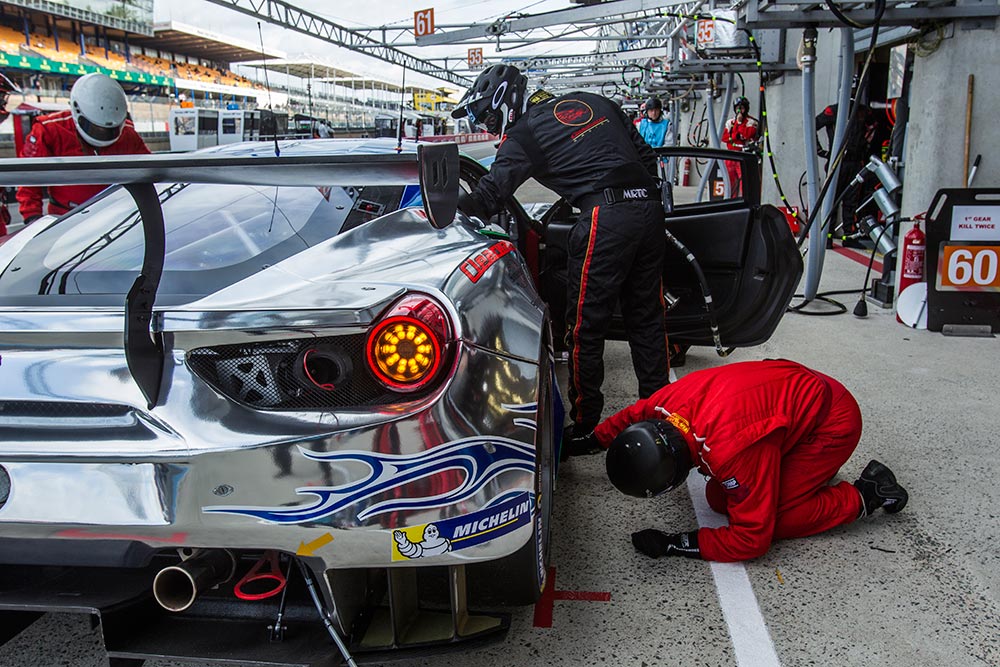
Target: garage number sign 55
[{"x": 971, "y": 267}]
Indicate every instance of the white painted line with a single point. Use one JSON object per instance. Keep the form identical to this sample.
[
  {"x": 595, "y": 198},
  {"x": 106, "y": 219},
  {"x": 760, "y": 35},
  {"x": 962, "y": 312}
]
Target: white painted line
[{"x": 751, "y": 640}]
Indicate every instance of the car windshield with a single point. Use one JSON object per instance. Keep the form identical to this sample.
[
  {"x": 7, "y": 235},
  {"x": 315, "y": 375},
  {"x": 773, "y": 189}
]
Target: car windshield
[{"x": 216, "y": 235}]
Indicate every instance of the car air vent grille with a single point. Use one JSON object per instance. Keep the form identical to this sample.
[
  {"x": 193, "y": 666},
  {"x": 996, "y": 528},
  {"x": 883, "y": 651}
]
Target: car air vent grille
[
  {"x": 62, "y": 410},
  {"x": 307, "y": 374}
]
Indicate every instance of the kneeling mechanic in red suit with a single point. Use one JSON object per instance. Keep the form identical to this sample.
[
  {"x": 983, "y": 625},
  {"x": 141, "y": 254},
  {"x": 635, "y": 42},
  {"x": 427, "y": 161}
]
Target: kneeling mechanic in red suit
[{"x": 770, "y": 435}]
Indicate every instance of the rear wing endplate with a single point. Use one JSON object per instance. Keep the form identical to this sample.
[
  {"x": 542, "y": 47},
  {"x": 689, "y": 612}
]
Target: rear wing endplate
[{"x": 435, "y": 167}]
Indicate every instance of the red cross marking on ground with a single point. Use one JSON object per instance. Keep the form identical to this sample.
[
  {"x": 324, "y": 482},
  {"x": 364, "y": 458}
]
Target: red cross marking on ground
[{"x": 546, "y": 603}]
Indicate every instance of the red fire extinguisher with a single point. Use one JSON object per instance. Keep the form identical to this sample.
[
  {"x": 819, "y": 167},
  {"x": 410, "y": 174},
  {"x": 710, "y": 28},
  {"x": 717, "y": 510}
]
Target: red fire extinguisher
[
  {"x": 914, "y": 249},
  {"x": 686, "y": 171}
]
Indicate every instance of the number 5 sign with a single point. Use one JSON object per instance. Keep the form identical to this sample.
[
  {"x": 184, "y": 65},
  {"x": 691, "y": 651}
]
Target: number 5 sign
[
  {"x": 475, "y": 58},
  {"x": 423, "y": 22}
]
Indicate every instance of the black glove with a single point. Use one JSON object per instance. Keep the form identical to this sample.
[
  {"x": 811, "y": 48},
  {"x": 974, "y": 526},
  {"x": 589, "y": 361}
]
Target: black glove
[
  {"x": 655, "y": 543},
  {"x": 31, "y": 218},
  {"x": 468, "y": 205},
  {"x": 579, "y": 445}
]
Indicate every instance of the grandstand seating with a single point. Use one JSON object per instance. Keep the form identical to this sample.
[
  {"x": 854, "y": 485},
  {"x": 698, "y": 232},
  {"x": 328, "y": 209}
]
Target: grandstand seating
[
  {"x": 112, "y": 60},
  {"x": 151, "y": 65},
  {"x": 12, "y": 41}
]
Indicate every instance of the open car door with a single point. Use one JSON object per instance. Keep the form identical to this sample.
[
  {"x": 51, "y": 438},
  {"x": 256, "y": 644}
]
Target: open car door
[{"x": 745, "y": 251}]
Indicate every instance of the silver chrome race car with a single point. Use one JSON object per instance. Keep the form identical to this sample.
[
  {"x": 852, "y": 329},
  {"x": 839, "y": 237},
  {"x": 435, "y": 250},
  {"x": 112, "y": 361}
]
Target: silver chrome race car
[{"x": 250, "y": 404}]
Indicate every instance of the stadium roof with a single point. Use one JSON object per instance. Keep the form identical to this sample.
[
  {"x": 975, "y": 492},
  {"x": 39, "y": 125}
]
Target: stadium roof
[
  {"x": 306, "y": 68},
  {"x": 189, "y": 40},
  {"x": 139, "y": 20},
  {"x": 302, "y": 68}
]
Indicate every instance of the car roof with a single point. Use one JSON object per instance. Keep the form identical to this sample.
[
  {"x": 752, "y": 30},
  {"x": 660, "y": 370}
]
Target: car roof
[{"x": 307, "y": 147}]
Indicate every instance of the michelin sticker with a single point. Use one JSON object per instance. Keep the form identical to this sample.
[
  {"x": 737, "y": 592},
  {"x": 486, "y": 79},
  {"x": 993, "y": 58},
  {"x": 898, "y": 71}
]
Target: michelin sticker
[{"x": 461, "y": 532}]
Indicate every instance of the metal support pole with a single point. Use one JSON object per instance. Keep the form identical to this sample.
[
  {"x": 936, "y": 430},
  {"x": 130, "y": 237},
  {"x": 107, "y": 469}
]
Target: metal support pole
[
  {"x": 843, "y": 109},
  {"x": 713, "y": 136},
  {"x": 817, "y": 236},
  {"x": 727, "y": 99},
  {"x": 675, "y": 119}
]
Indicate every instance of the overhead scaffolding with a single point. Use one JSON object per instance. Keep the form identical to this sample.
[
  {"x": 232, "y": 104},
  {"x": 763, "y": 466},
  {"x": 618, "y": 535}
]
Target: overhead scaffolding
[
  {"x": 288, "y": 16},
  {"x": 794, "y": 14},
  {"x": 538, "y": 27}
]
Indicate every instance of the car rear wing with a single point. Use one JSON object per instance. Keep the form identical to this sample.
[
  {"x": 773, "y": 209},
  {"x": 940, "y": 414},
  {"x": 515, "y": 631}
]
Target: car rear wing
[{"x": 435, "y": 167}]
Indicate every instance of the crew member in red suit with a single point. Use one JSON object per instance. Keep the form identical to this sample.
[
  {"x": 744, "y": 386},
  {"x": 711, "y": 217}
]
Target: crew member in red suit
[
  {"x": 95, "y": 124},
  {"x": 770, "y": 435},
  {"x": 740, "y": 134},
  {"x": 6, "y": 88}
]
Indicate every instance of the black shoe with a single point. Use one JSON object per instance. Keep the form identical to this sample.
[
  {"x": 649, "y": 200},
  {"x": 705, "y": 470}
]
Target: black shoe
[
  {"x": 879, "y": 488},
  {"x": 678, "y": 355},
  {"x": 579, "y": 445}
]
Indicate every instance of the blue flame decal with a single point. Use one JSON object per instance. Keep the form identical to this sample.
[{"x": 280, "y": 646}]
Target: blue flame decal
[{"x": 481, "y": 458}]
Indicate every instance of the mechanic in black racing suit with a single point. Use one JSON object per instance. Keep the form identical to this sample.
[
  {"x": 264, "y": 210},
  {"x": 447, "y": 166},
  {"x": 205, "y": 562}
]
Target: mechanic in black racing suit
[{"x": 582, "y": 146}]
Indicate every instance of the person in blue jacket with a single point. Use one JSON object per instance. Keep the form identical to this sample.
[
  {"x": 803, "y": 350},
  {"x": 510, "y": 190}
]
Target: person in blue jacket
[{"x": 654, "y": 125}]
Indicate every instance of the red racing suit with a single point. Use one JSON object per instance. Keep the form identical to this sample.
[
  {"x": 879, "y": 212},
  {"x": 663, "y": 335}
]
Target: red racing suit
[
  {"x": 737, "y": 135},
  {"x": 770, "y": 435},
  {"x": 55, "y": 135}
]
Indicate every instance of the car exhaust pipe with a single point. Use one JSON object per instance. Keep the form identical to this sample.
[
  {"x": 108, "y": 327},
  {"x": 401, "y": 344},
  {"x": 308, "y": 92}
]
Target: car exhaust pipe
[{"x": 176, "y": 587}]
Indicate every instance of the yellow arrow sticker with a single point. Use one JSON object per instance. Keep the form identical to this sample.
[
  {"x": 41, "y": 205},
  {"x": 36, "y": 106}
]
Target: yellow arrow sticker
[{"x": 312, "y": 547}]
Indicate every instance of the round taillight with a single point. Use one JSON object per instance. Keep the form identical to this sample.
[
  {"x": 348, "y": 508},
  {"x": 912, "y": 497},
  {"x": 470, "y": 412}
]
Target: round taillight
[{"x": 406, "y": 346}]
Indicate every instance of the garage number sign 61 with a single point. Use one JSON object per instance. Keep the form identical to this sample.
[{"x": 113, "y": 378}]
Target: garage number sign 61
[{"x": 423, "y": 22}]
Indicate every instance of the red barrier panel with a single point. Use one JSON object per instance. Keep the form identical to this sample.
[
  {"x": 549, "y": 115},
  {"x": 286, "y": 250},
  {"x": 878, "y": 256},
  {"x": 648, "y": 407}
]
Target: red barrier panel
[{"x": 466, "y": 138}]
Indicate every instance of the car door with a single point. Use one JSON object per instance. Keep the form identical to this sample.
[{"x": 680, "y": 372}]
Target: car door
[{"x": 745, "y": 251}]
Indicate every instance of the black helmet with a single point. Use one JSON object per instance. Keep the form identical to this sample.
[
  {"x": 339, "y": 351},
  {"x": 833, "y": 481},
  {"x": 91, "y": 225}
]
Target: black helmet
[
  {"x": 648, "y": 458},
  {"x": 495, "y": 100},
  {"x": 654, "y": 103},
  {"x": 741, "y": 102}
]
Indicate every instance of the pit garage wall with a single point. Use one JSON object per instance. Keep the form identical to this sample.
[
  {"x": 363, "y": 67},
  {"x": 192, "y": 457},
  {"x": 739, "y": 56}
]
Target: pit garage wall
[
  {"x": 935, "y": 136},
  {"x": 936, "y": 133},
  {"x": 934, "y": 149}
]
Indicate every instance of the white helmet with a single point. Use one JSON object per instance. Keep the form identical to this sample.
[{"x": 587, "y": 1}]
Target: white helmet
[{"x": 99, "y": 109}]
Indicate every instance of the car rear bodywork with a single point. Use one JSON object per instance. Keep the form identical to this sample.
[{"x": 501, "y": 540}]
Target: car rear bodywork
[{"x": 140, "y": 441}]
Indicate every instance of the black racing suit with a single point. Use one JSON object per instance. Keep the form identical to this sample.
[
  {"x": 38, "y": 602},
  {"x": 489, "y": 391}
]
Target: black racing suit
[
  {"x": 578, "y": 145},
  {"x": 864, "y": 140}
]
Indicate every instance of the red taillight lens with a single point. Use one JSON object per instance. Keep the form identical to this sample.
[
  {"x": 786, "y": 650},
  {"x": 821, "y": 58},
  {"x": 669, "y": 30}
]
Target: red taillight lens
[{"x": 406, "y": 346}]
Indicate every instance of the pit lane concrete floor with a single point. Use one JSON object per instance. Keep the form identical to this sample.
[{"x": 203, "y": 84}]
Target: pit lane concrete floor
[{"x": 918, "y": 588}]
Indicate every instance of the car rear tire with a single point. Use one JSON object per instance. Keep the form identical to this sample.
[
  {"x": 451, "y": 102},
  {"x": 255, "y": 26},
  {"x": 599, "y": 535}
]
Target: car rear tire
[{"x": 520, "y": 578}]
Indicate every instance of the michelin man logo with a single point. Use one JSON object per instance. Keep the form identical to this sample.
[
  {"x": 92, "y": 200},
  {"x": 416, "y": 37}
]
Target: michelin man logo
[
  {"x": 432, "y": 544},
  {"x": 504, "y": 515}
]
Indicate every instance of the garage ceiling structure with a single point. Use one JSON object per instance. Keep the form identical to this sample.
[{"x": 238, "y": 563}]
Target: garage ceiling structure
[{"x": 627, "y": 47}]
